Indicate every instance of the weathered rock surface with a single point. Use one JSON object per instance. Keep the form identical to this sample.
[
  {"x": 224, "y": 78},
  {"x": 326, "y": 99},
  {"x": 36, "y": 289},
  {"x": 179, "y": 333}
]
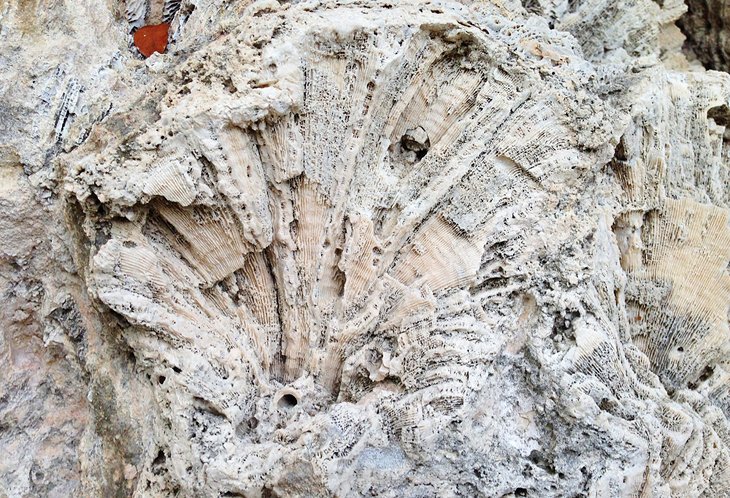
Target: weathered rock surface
[
  {"x": 362, "y": 248},
  {"x": 706, "y": 27}
]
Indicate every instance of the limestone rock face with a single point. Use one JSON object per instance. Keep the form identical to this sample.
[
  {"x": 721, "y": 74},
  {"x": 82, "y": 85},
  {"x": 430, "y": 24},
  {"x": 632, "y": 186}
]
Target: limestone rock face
[{"x": 362, "y": 248}]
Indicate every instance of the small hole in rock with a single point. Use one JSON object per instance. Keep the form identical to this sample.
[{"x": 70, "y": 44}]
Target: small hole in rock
[
  {"x": 287, "y": 401},
  {"x": 707, "y": 373},
  {"x": 159, "y": 459}
]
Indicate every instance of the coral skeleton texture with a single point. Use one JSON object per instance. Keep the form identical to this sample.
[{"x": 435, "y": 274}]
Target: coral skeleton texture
[{"x": 365, "y": 248}]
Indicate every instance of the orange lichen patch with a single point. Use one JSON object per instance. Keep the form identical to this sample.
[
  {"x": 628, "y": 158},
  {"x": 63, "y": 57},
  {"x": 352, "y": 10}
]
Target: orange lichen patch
[{"x": 151, "y": 39}]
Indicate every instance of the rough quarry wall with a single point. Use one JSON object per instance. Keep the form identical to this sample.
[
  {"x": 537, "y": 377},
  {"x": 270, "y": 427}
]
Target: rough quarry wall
[{"x": 364, "y": 248}]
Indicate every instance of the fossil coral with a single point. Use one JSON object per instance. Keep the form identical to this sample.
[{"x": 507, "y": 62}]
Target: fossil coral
[
  {"x": 150, "y": 12},
  {"x": 393, "y": 249}
]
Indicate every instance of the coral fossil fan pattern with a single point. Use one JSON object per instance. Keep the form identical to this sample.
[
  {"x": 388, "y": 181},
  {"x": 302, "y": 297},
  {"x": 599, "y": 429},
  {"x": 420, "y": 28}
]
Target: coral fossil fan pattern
[{"x": 322, "y": 251}]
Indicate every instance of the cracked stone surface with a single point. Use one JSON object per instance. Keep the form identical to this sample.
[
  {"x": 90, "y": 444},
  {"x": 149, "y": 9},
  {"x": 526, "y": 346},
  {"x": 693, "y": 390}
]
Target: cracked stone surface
[{"x": 364, "y": 248}]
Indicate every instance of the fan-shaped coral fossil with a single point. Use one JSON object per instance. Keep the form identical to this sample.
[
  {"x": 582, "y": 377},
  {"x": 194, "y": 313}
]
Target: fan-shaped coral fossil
[{"x": 402, "y": 249}]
